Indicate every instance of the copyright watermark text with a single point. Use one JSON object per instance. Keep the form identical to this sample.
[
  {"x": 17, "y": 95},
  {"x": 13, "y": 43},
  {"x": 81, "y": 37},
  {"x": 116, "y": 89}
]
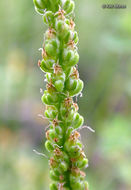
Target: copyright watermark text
[{"x": 114, "y": 6}]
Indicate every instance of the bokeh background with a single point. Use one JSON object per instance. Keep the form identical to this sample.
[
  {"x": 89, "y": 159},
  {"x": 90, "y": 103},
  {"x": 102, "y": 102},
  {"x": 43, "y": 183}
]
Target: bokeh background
[{"x": 105, "y": 67}]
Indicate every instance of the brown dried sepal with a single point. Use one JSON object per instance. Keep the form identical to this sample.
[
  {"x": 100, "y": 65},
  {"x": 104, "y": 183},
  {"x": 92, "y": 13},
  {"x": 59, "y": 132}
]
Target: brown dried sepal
[
  {"x": 57, "y": 152},
  {"x": 52, "y": 162},
  {"x": 75, "y": 73},
  {"x": 51, "y": 33},
  {"x": 72, "y": 24},
  {"x": 57, "y": 69},
  {"x": 60, "y": 13},
  {"x": 74, "y": 136},
  {"x": 68, "y": 102}
]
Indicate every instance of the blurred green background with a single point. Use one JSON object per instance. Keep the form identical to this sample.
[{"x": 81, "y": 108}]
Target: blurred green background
[{"x": 105, "y": 67}]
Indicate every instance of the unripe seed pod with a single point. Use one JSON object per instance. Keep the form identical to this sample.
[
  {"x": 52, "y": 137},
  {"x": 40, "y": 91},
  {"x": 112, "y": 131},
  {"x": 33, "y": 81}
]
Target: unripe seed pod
[
  {"x": 39, "y": 4},
  {"x": 48, "y": 17},
  {"x": 49, "y": 146},
  {"x": 78, "y": 88},
  {"x": 69, "y": 6},
  {"x": 71, "y": 84},
  {"x": 49, "y": 99},
  {"x": 57, "y": 171},
  {"x": 71, "y": 57},
  {"x": 74, "y": 151},
  {"x": 72, "y": 179},
  {"x": 51, "y": 47},
  {"x": 53, "y": 186},
  {"x": 83, "y": 163},
  {"x": 78, "y": 122},
  {"x": 75, "y": 37},
  {"x": 66, "y": 4},
  {"x": 86, "y": 185},
  {"x": 59, "y": 85},
  {"x": 79, "y": 143},
  {"x": 58, "y": 130},
  {"x": 54, "y": 176},
  {"x": 40, "y": 11},
  {"x": 78, "y": 185},
  {"x": 51, "y": 112},
  {"x": 52, "y": 134},
  {"x": 63, "y": 166},
  {"x": 44, "y": 66},
  {"x": 58, "y": 80},
  {"x": 69, "y": 131},
  {"x": 63, "y": 30}
]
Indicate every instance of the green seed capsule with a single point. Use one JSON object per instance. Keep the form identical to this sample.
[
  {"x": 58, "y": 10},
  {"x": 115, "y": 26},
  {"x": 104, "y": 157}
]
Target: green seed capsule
[
  {"x": 72, "y": 179},
  {"x": 69, "y": 131},
  {"x": 48, "y": 17},
  {"x": 83, "y": 163},
  {"x": 50, "y": 49},
  {"x": 59, "y": 85},
  {"x": 71, "y": 7},
  {"x": 71, "y": 84},
  {"x": 39, "y": 4},
  {"x": 44, "y": 68},
  {"x": 78, "y": 88},
  {"x": 71, "y": 57},
  {"x": 86, "y": 185},
  {"x": 52, "y": 134},
  {"x": 54, "y": 176},
  {"x": 78, "y": 122},
  {"x": 75, "y": 59},
  {"x": 57, "y": 171},
  {"x": 66, "y": 4},
  {"x": 62, "y": 28},
  {"x": 75, "y": 37},
  {"x": 74, "y": 151},
  {"x": 63, "y": 166},
  {"x": 51, "y": 112},
  {"x": 58, "y": 130},
  {"x": 49, "y": 147},
  {"x": 53, "y": 186},
  {"x": 50, "y": 98},
  {"x": 78, "y": 185},
  {"x": 39, "y": 11}
]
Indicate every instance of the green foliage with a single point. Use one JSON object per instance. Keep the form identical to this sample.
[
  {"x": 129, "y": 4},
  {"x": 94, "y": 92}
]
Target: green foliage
[{"x": 59, "y": 59}]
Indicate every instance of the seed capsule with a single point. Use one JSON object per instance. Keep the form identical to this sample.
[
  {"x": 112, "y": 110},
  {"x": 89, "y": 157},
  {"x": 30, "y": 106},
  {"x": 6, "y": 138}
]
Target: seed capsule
[
  {"x": 50, "y": 98},
  {"x": 49, "y": 146},
  {"x": 63, "y": 166},
  {"x": 71, "y": 57},
  {"x": 48, "y": 17},
  {"x": 58, "y": 130},
  {"x": 51, "y": 47},
  {"x": 83, "y": 163},
  {"x": 40, "y": 4},
  {"x": 53, "y": 186},
  {"x": 51, "y": 112},
  {"x": 74, "y": 151},
  {"x": 69, "y": 6},
  {"x": 54, "y": 176},
  {"x": 77, "y": 89}
]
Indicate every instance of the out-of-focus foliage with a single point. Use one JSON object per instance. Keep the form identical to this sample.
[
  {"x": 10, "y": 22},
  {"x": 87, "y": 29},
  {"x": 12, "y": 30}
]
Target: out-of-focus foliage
[{"x": 105, "y": 67}]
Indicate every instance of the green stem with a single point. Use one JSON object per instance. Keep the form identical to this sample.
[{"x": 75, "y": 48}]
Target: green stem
[{"x": 59, "y": 60}]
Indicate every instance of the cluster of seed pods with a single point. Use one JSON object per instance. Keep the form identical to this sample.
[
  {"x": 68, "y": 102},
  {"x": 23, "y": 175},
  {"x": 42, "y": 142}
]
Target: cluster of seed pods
[{"x": 59, "y": 63}]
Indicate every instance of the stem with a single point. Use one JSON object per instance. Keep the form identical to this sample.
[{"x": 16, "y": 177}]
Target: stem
[{"x": 59, "y": 60}]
